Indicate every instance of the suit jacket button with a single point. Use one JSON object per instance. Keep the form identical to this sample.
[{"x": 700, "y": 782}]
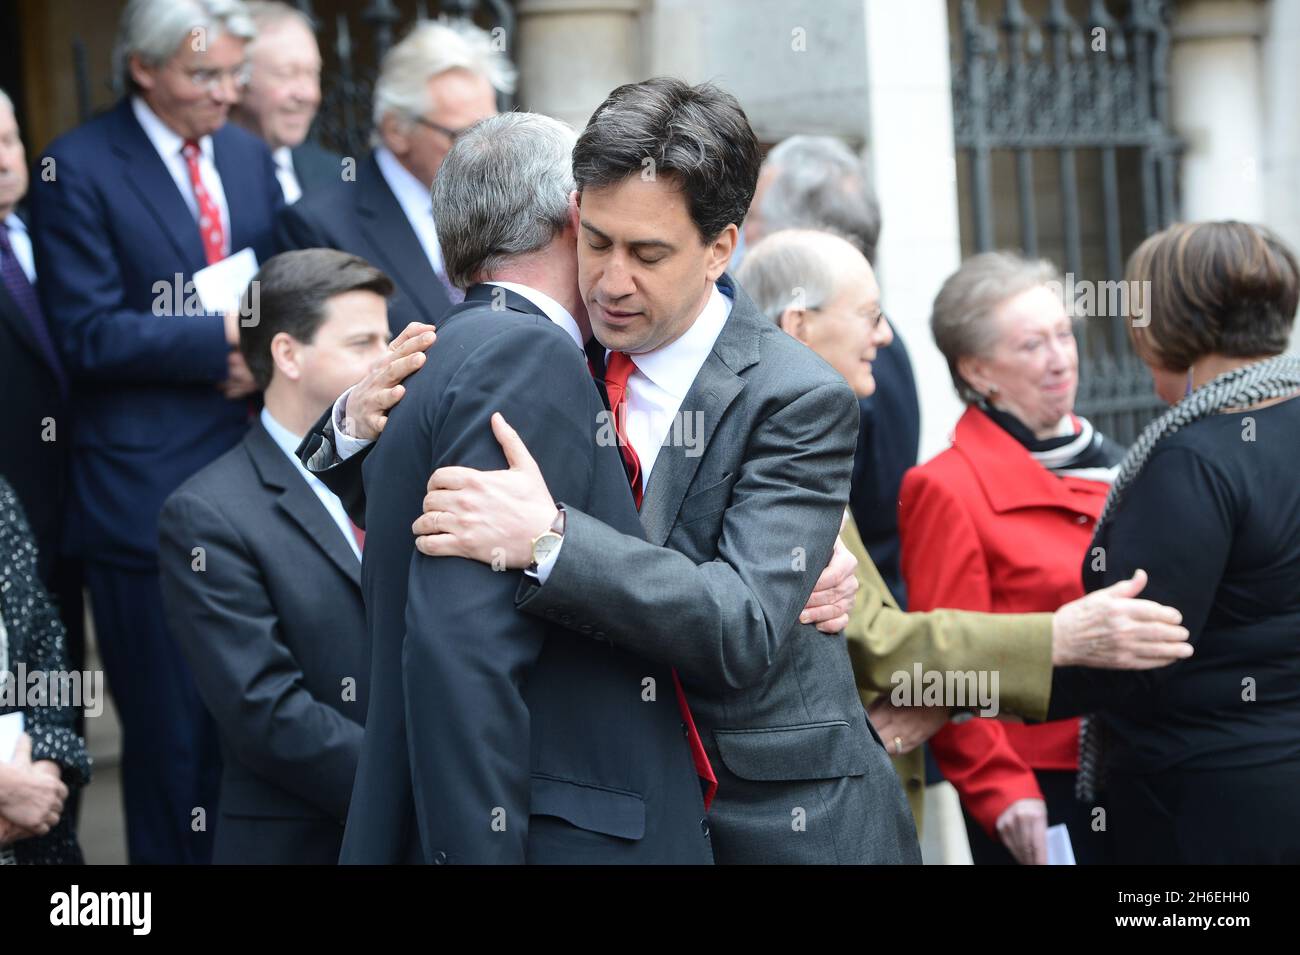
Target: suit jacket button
[
  {"x": 686, "y": 731},
  {"x": 566, "y": 619},
  {"x": 585, "y": 629},
  {"x": 440, "y": 858},
  {"x": 704, "y": 827},
  {"x": 600, "y": 635}
]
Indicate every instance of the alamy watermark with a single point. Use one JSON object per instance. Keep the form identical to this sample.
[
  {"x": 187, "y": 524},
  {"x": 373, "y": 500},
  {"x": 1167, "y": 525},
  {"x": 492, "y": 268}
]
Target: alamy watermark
[
  {"x": 79, "y": 689},
  {"x": 1085, "y": 298},
  {"x": 965, "y": 689}
]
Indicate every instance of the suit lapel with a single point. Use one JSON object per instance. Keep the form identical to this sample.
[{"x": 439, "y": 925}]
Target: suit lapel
[
  {"x": 711, "y": 394},
  {"x": 144, "y": 174},
  {"x": 389, "y": 232},
  {"x": 234, "y": 182},
  {"x": 299, "y": 501},
  {"x": 12, "y": 314}
]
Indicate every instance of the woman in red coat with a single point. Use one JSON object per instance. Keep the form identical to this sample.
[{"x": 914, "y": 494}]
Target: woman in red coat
[{"x": 1000, "y": 523}]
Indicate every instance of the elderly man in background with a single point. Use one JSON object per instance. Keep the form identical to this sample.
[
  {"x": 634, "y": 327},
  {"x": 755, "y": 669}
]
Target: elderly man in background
[
  {"x": 816, "y": 182},
  {"x": 282, "y": 97},
  {"x": 839, "y": 317},
  {"x": 140, "y": 199},
  {"x": 433, "y": 85}
]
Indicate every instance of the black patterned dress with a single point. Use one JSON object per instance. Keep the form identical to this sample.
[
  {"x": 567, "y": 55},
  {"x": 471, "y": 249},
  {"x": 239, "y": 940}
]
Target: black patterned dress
[{"x": 31, "y": 633}]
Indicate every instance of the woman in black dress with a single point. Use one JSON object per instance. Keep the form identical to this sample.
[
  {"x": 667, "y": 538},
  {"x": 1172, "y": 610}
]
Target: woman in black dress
[
  {"x": 51, "y": 758},
  {"x": 1201, "y": 760}
]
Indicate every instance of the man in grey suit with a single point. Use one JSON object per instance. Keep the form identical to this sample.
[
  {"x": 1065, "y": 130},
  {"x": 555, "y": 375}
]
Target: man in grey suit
[{"x": 739, "y": 446}]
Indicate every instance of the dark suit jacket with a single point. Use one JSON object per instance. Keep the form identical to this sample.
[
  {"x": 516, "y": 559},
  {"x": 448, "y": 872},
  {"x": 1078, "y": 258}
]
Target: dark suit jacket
[
  {"x": 273, "y": 628},
  {"x": 316, "y": 167},
  {"x": 735, "y": 534},
  {"x": 365, "y": 218},
  {"x": 889, "y": 437},
  {"x": 738, "y": 526},
  {"x": 35, "y": 467},
  {"x": 112, "y": 233},
  {"x": 496, "y": 736}
]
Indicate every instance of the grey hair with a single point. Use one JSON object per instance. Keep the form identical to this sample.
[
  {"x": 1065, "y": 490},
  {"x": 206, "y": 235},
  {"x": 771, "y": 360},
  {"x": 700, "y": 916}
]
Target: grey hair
[
  {"x": 961, "y": 321},
  {"x": 430, "y": 49},
  {"x": 502, "y": 191},
  {"x": 6, "y": 101},
  {"x": 269, "y": 13},
  {"x": 153, "y": 29},
  {"x": 820, "y": 184},
  {"x": 794, "y": 268}
]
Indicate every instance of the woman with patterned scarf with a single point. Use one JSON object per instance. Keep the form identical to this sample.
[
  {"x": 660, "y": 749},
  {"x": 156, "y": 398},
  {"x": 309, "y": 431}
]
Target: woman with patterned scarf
[
  {"x": 50, "y": 757},
  {"x": 1202, "y": 759},
  {"x": 998, "y": 523}
]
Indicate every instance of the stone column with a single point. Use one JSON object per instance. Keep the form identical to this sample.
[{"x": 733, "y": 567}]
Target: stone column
[
  {"x": 573, "y": 52},
  {"x": 910, "y": 137},
  {"x": 1216, "y": 100}
]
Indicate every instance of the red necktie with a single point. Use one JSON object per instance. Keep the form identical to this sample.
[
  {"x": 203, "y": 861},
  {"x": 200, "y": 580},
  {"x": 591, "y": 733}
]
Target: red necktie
[
  {"x": 360, "y": 535},
  {"x": 617, "y": 372},
  {"x": 210, "y": 229}
]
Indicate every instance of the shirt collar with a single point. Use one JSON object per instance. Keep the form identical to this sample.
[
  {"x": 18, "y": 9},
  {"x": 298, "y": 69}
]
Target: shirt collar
[
  {"x": 553, "y": 309},
  {"x": 286, "y": 440},
  {"x": 283, "y": 158},
  {"x": 14, "y": 224},
  {"x": 165, "y": 139},
  {"x": 409, "y": 191},
  {"x": 673, "y": 367}
]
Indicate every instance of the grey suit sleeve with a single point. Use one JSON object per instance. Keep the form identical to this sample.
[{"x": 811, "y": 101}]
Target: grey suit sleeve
[
  {"x": 250, "y": 682},
  {"x": 721, "y": 623}
]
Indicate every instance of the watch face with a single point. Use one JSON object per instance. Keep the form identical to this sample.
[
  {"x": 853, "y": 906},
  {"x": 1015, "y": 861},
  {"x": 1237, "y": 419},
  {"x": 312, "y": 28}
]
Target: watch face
[{"x": 544, "y": 546}]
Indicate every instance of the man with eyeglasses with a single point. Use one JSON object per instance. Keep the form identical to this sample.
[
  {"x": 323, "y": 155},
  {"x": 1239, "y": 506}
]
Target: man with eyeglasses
[
  {"x": 432, "y": 86},
  {"x": 282, "y": 97},
  {"x": 126, "y": 209}
]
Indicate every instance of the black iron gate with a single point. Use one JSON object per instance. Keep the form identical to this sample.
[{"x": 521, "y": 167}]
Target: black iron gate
[{"x": 1079, "y": 89}]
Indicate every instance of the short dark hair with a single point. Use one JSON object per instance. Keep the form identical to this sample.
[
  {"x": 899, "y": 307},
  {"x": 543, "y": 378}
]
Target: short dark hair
[
  {"x": 698, "y": 135},
  {"x": 1228, "y": 288},
  {"x": 292, "y": 291}
]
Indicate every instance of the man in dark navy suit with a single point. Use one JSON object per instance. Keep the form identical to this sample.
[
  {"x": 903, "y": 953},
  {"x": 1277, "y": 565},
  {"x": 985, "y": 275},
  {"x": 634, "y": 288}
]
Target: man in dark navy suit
[
  {"x": 432, "y": 86},
  {"x": 493, "y": 736},
  {"x": 126, "y": 209}
]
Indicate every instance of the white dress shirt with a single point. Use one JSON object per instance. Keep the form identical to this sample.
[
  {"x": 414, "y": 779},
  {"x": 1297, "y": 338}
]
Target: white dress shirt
[
  {"x": 414, "y": 199},
  {"x": 21, "y": 241},
  {"x": 284, "y": 172},
  {"x": 168, "y": 144},
  {"x": 656, "y": 389},
  {"x": 288, "y": 442}
]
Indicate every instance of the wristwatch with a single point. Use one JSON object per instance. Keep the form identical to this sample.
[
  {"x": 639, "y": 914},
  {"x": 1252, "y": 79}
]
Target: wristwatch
[{"x": 545, "y": 543}]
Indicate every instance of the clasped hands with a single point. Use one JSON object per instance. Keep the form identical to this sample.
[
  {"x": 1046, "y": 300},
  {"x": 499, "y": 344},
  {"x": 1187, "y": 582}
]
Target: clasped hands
[{"x": 32, "y": 795}]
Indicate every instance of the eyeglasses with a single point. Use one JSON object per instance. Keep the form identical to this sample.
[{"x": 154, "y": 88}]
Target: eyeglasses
[
  {"x": 875, "y": 320},
  {"x": 452, "y": 134},
  {"x": 212, "y": 80}
]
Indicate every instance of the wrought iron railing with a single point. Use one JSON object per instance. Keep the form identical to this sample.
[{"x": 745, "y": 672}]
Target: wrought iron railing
[{"x": 1090, "y": 87}]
